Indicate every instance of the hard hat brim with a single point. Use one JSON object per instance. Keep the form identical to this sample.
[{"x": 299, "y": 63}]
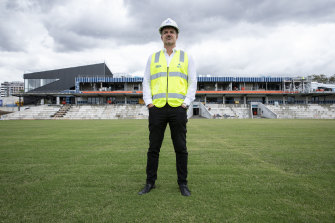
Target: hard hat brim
[{"x": 162, "y": 27}]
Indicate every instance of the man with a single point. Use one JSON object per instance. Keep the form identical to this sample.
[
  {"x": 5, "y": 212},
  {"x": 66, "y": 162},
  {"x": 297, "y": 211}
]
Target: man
[{"x": 169, "y": 87}]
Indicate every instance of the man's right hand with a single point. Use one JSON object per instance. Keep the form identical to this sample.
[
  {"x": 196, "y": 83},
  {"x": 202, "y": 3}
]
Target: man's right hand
[{"x": 150, "y": 105}]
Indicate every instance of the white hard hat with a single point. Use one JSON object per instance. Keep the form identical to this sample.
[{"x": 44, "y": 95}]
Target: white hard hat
[{"x": 168, "y": 22}]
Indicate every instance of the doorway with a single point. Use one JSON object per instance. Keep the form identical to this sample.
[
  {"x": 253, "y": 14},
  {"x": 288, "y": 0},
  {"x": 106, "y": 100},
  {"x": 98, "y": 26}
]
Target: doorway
[{"x": 196, "y": 111}]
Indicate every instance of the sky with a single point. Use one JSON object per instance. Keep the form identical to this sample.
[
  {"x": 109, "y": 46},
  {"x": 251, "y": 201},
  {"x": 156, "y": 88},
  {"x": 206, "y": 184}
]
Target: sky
[{"x": 288, "y": 38}]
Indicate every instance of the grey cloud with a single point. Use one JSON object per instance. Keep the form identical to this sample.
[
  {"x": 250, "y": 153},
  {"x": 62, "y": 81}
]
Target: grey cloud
[
  {"x": 7, "y": 43},
  {"x": 36, "y": 6},
  {"x": 17, "y": 18},
  {"x": 296, "y": 11},
  {"x": 67, "y": 41},
  {"x": 268, "y": 11},
  {"x": 194, "y": 17},
  {"x": 14, "y": 13},
  {"x": 88, "y": 26},
  {"x": 74, "y": 28},
  {"x": 211, "y": 14},
  {"x": 8, "y": 32}
]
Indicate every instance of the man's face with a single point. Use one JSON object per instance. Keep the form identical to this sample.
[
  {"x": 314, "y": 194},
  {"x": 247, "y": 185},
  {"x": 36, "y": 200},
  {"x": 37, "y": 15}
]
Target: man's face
[{"x": 169, "y": 36}]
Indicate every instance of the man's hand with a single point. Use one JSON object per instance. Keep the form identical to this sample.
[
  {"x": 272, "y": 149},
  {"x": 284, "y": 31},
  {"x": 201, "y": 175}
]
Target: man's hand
[
  {"x": 150, "y": 105},
  {"x": 184, "y": 106}
]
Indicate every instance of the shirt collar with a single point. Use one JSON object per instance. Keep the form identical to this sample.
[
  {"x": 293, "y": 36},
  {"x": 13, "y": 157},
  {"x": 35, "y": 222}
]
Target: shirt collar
[{"x": 174, "y": 50}]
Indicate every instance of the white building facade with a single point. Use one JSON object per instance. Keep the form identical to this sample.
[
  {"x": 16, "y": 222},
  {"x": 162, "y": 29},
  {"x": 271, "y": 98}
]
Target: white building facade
[{"x": 9, "y": 89}]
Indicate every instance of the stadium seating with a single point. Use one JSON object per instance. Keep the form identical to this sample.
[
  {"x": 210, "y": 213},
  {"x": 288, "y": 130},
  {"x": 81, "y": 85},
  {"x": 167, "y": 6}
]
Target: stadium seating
[
  {"x": 32, "y": 112},
  {"x": 135, "y": 111},
  {"x": 229, "y": 111},
  {"x": 310, "y": 111},
  {"x": 107, "y": 112}
]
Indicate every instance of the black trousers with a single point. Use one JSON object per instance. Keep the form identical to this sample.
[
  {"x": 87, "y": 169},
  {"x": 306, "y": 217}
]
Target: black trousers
[{"x": 158, "y": 120}]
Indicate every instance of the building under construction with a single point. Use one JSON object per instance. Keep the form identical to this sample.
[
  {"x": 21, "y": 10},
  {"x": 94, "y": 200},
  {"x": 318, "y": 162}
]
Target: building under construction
[{"x": 96, "y": 84}]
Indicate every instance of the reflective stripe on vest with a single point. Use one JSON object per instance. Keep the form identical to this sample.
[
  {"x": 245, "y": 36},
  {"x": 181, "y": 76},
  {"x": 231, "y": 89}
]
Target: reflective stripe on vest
[
  {"x": 161, "y": 74},
  {"x": 157, "y": 56},
  {"x": 169, "y": 84},
  {"x": 171, "y": 74},
  {"x": 170, "y": 95},
  {"x": 178, "y": 74}
]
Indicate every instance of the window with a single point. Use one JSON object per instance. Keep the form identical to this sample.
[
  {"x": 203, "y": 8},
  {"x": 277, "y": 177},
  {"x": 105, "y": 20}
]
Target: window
[{"x": 31, "y": 84}]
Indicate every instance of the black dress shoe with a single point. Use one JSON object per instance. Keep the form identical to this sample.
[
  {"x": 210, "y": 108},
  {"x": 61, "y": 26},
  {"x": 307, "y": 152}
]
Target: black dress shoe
[
  {"x": 147, "y": 188},
  {"x": 184, "y": 190}
]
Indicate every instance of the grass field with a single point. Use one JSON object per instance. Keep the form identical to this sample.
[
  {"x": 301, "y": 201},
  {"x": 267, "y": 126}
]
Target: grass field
[{"x": 239, "y": 171}]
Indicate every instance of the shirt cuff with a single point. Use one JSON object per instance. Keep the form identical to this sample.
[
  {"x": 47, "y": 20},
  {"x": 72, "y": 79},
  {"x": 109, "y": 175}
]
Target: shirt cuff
[
  {"x": 187, "y": 102},
  {"x": 148, "y": 102}
]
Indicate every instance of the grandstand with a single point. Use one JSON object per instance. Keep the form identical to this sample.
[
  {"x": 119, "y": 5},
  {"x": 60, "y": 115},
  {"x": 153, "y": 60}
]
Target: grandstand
[
  {"x": 94, "y": 92},
  {"x": 210, "y": 111}
]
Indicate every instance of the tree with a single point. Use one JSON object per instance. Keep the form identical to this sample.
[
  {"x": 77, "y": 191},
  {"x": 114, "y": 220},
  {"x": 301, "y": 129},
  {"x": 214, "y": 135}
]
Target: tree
[
  {"x": 332, "y": 79},
  {"x": 319, "y": 78}
]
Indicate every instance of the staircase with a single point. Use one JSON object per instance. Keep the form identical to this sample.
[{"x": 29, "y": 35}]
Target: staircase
[{"x": 62, "y": 111}]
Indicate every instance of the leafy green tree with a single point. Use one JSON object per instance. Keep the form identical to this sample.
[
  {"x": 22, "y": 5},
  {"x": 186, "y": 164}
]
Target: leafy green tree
[
  {"x": 321, "y": 78},
  {"x": 332, "y": 79}
]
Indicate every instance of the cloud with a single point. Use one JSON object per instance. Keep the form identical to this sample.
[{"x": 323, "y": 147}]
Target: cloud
[
  {"x": 80, "y": 26},
  {"x": 20, "y": 27},
  {"x": 291, "y": 49},
  {"x": 226, "y": 37},
  {"x": 211, "y": 14}
]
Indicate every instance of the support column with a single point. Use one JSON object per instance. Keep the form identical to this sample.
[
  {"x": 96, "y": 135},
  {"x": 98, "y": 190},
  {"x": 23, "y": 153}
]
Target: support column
[
  {"x": 245, "y": 100},
  {"x": 57, "y": 100},
  {"x": 205, "y": 99},
  {"x": 283, "y": 100},
  {"x": 125, "y": 99},
  {"x": 42, "y": 101},
  {"x": 216, "y": 86},
  {"x": 267, "y": 100},
  {"x": 306, "y": 100},
  {"x": 19, "y": 108},
  {"x": 223, "y": 99}
]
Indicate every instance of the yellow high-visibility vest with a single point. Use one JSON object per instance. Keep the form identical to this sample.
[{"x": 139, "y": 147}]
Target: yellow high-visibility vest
[{"x": 169, "y": 84}]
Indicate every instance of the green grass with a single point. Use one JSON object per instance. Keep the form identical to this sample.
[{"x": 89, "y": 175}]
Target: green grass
[{"x": 239, "y": 171}]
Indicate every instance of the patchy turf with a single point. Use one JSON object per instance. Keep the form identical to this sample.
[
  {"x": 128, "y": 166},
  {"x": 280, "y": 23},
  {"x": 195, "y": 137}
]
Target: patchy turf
[{"x": 239, "y": 171}]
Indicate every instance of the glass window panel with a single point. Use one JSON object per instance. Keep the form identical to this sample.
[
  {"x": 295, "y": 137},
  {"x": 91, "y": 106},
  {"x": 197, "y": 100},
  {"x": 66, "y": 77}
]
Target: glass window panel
[{"x": 31, "y": 84}]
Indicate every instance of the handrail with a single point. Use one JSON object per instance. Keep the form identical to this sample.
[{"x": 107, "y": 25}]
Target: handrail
[
  {"x": 266, "y": 112},
  {"x": 203, "y": 111}
]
